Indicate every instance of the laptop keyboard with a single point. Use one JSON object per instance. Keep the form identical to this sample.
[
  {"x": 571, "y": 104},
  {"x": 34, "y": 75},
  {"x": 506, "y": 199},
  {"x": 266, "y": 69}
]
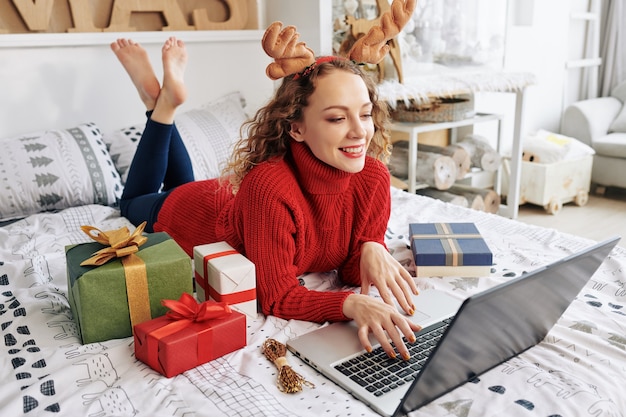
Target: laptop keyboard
[{"x": 380, "y": 374}]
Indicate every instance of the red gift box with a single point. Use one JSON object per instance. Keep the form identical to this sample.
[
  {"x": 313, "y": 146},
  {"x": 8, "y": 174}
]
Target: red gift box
[{"x": 189, "y": 335}]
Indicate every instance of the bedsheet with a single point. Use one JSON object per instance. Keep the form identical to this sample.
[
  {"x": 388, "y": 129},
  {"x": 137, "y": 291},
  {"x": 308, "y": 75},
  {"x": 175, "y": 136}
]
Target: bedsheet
[{"x": 578, "y": 370}]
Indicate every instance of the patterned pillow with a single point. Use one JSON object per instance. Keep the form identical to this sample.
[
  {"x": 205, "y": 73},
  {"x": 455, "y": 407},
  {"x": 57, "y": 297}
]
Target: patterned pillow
[
  {"x": 209, "y": 133},
  {"x": 56, "y": 169}
]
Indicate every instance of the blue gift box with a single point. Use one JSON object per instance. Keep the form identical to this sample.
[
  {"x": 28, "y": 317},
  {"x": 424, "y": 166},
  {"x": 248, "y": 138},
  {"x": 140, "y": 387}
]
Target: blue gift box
[{"x": 449, "y": 249}]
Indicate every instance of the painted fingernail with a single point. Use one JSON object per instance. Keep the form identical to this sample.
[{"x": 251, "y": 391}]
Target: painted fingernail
[
  {"x": 392, "y": 355},
  {"x": 412, "y": 339},
  {"x": 406, "y": 356}
]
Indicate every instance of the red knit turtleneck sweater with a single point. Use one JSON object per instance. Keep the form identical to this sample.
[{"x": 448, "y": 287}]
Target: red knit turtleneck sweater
[{"x": 289, "y": 217}]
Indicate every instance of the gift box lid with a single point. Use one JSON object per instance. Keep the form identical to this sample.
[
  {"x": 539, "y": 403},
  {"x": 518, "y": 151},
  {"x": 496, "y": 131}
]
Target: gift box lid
[{"x": 448, "y": 244}]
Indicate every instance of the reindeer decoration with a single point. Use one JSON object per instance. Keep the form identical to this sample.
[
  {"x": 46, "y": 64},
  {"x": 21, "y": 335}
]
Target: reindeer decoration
[
  {"x": 359, "y": 27},
  {"x": 292, "y": 57}
]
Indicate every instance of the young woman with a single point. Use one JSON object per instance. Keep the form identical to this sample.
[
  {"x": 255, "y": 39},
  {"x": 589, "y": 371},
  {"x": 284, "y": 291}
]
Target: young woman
[{"x": 303, "y": 193}]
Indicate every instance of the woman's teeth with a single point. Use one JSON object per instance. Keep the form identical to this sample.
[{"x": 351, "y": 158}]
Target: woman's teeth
[{"x": 353, "y": 150}]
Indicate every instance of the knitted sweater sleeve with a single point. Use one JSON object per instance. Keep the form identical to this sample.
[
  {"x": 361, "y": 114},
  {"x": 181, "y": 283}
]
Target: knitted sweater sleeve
[
  {"x": 373, "y": 200},
  {"x": 269, "y": 221}
]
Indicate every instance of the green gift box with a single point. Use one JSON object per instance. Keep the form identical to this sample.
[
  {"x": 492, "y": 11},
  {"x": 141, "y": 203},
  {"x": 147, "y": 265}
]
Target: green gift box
[{"x": 104, "y": 298}]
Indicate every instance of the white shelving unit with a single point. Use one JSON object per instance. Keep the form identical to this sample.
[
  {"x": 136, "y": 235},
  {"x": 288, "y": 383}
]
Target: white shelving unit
[{"x": 413, "y": 130}]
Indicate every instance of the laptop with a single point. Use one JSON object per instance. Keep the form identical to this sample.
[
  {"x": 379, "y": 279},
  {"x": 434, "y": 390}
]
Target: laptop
[{"x": 462, "y": 339}]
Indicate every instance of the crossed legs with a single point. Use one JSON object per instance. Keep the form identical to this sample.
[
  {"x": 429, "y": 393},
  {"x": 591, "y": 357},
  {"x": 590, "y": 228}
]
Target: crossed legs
[{"x": 161, "y": 161}]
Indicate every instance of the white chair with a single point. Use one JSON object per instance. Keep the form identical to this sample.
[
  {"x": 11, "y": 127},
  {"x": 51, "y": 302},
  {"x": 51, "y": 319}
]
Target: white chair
[{"x": 601, "y": 124}]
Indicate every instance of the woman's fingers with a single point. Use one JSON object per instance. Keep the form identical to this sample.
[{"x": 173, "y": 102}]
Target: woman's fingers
[
  {"x": 392, "y": 333},
  {"x": 406, "y": 276},
  {"x": 401, "y": 327},
  {"x": 402, "y": 292},
  {"x": 388, "y": 326}
]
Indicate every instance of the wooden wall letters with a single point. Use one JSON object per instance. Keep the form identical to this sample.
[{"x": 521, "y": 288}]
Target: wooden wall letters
[{"x": 55, "y": 16}]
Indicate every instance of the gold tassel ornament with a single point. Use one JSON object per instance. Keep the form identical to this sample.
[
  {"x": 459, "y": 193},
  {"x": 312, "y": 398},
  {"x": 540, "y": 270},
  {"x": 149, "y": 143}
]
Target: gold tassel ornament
[{"x": 288, "y": 380}]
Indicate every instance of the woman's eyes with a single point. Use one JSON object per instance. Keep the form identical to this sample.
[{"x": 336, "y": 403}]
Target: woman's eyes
[{"x": 339, "y": 119}]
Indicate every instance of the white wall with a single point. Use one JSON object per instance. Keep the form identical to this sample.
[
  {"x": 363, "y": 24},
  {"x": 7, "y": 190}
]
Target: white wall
[
  {"x": 313, "y": 19},
  {"x": 541, "y": 48},
  {"x": 541, "y": 37},
  {"x": 57, "y": 80},
  {"x": 536, "y": 42}
]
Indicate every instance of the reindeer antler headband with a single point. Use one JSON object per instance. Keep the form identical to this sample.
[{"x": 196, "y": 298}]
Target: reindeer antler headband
[{"x": 293, "y": 57}]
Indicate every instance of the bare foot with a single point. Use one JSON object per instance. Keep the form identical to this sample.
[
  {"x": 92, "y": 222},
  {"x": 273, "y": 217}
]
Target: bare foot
[
  {"x": 174, "y": 64},
  {"x": 174, "y": 91},
  {"x": 136, "y": 62}
]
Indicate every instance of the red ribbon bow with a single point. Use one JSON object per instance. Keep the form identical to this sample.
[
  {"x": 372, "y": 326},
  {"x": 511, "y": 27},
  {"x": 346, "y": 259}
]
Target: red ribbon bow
[
  {"x": 184, "y": 313},
  {"x": 187, "y": 308}
]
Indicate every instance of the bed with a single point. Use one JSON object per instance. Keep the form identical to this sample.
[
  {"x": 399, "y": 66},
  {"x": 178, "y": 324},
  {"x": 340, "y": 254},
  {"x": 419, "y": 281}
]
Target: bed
[{"x": 578, "y": 370}]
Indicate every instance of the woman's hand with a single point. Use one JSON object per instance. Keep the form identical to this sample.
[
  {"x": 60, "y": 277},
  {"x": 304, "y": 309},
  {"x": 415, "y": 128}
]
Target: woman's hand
[
  {"x": 384, "y": 321},
  {"x": 382, "y": 270}
]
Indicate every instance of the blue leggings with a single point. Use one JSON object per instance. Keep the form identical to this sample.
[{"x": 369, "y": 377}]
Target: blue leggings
[{"x": 161, "y": 163}]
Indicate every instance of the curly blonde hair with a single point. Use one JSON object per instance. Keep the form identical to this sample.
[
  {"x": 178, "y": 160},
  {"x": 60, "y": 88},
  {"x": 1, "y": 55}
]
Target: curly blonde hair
[{"x": 265, "y": 137}]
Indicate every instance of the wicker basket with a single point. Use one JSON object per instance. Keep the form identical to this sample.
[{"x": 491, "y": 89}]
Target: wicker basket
[{"x": 441, "y": 109}]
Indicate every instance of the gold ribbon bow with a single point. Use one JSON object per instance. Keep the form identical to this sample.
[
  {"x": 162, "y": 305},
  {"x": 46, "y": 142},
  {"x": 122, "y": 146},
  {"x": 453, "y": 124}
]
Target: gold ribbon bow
[{"x": 120, "y": 243}]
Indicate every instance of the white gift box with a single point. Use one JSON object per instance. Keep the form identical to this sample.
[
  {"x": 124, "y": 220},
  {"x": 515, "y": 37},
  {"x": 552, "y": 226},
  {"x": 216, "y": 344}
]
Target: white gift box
[{"x": 223, "y": 274}]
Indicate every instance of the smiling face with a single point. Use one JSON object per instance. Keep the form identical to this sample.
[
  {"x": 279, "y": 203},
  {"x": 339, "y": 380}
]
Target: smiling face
[{"x": 337, "y": 123}]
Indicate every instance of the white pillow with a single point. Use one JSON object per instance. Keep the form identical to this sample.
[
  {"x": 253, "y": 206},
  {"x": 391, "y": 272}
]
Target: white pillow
[
  {"x": 208, "y": 132},
  {"x": 56, "y": 169},
  {"x": 619, "y": 124},
  {"x": 547, "y": 147}
]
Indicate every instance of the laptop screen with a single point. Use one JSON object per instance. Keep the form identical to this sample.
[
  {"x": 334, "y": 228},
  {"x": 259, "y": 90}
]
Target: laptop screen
[{"x": 495, "y": 325}]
